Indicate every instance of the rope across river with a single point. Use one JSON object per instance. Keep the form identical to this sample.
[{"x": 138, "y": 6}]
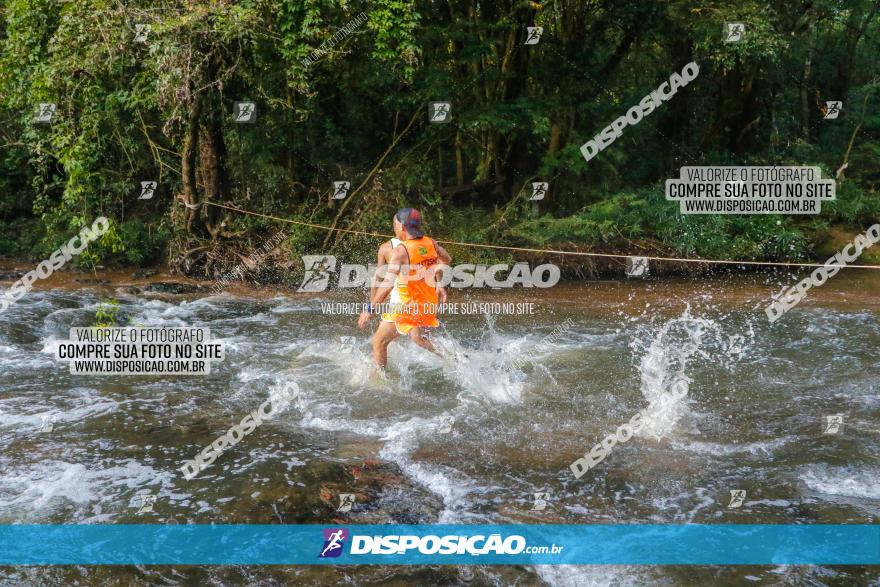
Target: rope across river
[{"x": 551, "y": 251}]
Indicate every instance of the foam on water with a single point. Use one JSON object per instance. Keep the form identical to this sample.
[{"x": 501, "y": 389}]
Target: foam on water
[
  {"x": 452, "y": 486},
  {"x": 347, "y": 355},
  {"x": 42, "y": 484},
  {"x": 401, "y": 436},
  {"x": 13, "y": 358},
  {"x": 591, "y": 575},
  {"x": 470, "y": 400},
  {"x": 484, "y": 376},
  {"x": 681, "y": 507},
  {"x": 37, "y": 492},
  {"x": 28, "y": 419},
  {"x": 156, "y": 313},
  {"x": 760, "y": 447},
  {"x": 842, "y": 481}
]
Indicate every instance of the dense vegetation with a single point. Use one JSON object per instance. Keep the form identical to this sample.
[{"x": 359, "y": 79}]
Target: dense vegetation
[{"x": 340, "y": 97}]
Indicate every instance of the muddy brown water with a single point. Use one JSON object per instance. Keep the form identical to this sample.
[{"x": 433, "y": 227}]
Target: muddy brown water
[{"x": 468, "y": 440}]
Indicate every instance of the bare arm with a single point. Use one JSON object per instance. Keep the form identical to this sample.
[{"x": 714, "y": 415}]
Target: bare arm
[
  {"x": 399, "y": 258},
  {"x": 445, "y": 257},
  {"x": 445, "y": 260},
  {"x": 381, "y": 261}
]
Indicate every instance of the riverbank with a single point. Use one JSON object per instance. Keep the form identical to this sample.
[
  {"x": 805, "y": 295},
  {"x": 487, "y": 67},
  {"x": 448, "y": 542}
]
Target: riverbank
[
  {"x": 632, "y": 295},
  {"x": 251, "y": 280}
]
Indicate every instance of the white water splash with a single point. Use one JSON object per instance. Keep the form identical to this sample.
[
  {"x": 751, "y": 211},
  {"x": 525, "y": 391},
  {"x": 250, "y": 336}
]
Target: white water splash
[
  {"x": 665, "y": 360},
  {"x": 486, "y": 373},
  {"x": 842, "y": 481},
  {"x": 591, "y": 575}
]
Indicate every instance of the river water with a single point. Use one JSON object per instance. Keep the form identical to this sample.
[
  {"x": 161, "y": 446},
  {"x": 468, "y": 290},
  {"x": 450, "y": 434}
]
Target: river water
[{"x": 464, "y": 440}]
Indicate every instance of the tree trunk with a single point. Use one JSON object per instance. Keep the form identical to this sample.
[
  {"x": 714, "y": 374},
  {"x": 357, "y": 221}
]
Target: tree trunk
[
  {"x": 805, "y": 92},
  {"x": 188, "y": 167},
  {"x": 459, "y": 160},
  {"x": 213, "y": 160},
  {"x": 856, "y": 25},
  {"x": 555, "y": 137},
  {"x": 440, "y": 166}
]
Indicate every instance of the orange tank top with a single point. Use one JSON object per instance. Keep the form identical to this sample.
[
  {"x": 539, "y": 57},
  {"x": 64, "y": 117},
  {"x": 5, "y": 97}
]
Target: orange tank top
[{"x": 415, "y": 287}]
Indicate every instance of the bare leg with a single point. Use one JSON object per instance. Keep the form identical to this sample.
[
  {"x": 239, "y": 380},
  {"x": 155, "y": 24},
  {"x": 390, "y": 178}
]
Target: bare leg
[
  {"x": 418, "y": 337},
  {"x": 381, "y": 339}
]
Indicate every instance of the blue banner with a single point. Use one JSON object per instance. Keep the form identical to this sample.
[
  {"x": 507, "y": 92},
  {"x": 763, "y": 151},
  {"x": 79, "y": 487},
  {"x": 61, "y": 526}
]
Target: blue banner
[{"x": 432, "y": 544}]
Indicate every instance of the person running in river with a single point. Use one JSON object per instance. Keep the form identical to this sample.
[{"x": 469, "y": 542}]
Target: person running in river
[{"x": 409, "y": 259}]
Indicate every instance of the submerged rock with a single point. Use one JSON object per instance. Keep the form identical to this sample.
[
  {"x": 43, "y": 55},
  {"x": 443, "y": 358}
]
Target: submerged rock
[
  {"x": 144, "y": 273},
  {"x": 12, "y": 274},
  {"x": 168, "y": 287},
  {"x": 128, "y": 290}
]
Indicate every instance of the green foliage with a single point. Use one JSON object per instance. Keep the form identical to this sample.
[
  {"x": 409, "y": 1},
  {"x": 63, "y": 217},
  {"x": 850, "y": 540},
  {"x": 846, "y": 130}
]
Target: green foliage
[
  {"x": 357, "y": 111},
  {"x": 853, "y": 206},
  {"x": 394, "y": 24},
  {"x": 20, "y": 236},
  {"x": 107, "y": 314},
  {"x": 647, "y": 215},
  {"x": 130, "y": 243}
]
